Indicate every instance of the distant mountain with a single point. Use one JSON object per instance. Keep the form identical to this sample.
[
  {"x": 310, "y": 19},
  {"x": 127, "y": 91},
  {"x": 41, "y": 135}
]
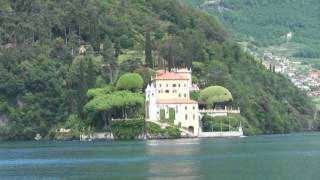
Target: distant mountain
[{"x": 270, "y": 22}]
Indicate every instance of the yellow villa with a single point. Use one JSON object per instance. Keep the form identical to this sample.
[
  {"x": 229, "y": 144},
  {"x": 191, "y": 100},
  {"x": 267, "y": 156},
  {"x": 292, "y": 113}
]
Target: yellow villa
[{"x": 168, "y": 98}]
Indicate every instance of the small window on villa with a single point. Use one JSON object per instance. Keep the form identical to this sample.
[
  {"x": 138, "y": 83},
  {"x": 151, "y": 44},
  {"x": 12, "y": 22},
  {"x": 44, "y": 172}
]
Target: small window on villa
[
  {"x": 179, "y": 95},
  {"x": 186, "y": 116},
  {"x": 186, "y": 108},
  {"x": 159, "y": 91},
  {"x": 185, "y": 95},
  {"x": 159, "y": 85},
  {"x": 167, "y": 91},
  {"x": 194, "y": 108},
  {"x": 166, "y": 85},
  {"x": 179, "y": 85},
  {"x": 185, "y": 85},
  {"x": 176, "y": 109},
  {"x": 174, "y": 85},
  {"x": 194, "y": 117}
]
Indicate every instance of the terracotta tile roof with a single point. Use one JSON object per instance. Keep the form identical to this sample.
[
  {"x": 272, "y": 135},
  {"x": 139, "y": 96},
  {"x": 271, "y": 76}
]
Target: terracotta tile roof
[
  {"x": 169, "y": 75},
  {"x": 176, "y": 101}
]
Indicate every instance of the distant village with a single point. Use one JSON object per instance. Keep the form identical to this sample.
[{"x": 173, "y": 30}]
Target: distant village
[{"x": 303, "y": 76}]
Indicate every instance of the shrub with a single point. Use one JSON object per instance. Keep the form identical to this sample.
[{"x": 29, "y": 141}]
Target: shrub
[
  {"x": 127, "y": 129},
  {"x": 172, "y": 115},
  {"x": 162, "y": 115},
  {"x": 215, "y": 94},
  {"x": 130, "y": 81}
]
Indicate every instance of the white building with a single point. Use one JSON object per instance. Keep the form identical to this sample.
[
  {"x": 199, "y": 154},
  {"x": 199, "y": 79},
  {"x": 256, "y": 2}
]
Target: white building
[{"x": 168, "y": 100}]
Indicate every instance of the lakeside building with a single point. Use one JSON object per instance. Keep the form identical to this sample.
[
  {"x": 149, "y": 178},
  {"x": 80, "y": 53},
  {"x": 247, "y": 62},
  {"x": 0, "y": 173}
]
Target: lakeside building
[{"x": 168, "y": 99}]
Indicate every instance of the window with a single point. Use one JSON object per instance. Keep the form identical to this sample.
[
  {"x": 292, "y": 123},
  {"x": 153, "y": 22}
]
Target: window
[
  {"x": 166, "y": 85},
  {"x": 179, "y": 85},
  {"x": 194, "y": 117},
  {"x": 176, "y": 109},
  {"x": 185, "y": 85},
  {"x": 186, "y": 108},
  {"x": 167, "y": 91},
  {"x": 159, "y": 85},
  {"x": 194, "y": 108},
  {"x": 179, "y": 95},
  {"x": 185, "y": 95},
  {"x": 186, "y": 116},
  {"x": 174, "y": 85},
  {"x": 159, "y": 91}
]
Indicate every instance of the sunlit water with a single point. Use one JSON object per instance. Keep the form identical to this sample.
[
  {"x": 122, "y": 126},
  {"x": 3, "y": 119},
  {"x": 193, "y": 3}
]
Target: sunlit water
[{"x": 283, "y": 157}]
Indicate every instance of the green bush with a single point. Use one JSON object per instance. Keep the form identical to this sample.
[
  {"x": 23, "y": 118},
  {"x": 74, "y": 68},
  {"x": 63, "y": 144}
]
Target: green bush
[
  {"x": 130, "y": 81},
  {"x": 154, "y": 129},
  {"x": 172, "y": 115},
  {"x": 215, "y": 94},
  {"x": 194, "y": 95},
  {"x": 162, "y": 115},
  {"x": 127, "y": 129},
  {"x": 172, "y": 132},
  {"x": 168, "y": 132}
]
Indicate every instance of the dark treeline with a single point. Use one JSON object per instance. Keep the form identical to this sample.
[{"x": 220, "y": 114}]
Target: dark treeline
[{"x": 44, "y": 76}]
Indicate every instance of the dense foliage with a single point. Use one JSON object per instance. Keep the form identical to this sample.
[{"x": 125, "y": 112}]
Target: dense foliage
[
  {"x": 130, "y": 82},
  {"x": 215, "y": 94},
  {"x": 227, "y": 123},
  {"x": 44, "y": 78},
  {"x": 128, "y": 129},
  {"x": 266, "y": 22}
]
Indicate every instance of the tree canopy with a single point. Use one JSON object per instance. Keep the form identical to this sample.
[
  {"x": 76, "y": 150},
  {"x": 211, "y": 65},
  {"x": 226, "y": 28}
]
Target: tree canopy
[
  {"x": 215, "y": 94},
  {"x": 130, "y": 81}
]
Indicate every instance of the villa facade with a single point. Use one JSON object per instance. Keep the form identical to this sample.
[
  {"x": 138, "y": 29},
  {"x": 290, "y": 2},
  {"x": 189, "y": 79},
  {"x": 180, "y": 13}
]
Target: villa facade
[{"x": 168, "y": 100}]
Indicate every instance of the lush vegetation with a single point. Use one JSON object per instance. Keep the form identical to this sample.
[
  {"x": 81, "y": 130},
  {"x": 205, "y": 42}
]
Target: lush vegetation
[
  {"x": 44, "y": 79},
  {"x": 215, "y": 94},
  {"x": 130, "y": 81},
  {"x": 138, "y": 128},
  {"x": 128, "y": 129},
  {"x": 266, "y": 22},
  {"x": 227, "y": 123}
]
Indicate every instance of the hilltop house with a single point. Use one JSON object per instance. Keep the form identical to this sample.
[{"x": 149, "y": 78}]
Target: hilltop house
[{"x": 168, "y": 99}]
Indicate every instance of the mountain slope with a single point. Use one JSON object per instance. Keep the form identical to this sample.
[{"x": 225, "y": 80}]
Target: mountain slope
[
  {"x": 267, "y": 22},
  {"x": 43, "y": 78}
]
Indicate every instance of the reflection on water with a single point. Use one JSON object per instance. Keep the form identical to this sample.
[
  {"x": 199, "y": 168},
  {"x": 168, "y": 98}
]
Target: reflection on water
[
  {"x": 285, "y": 157},
  {"x": 173, "y": 159}
]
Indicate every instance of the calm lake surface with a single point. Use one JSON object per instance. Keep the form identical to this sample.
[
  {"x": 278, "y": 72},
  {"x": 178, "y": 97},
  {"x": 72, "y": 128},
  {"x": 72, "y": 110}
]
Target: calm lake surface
[{"x": 285, "y": 157}]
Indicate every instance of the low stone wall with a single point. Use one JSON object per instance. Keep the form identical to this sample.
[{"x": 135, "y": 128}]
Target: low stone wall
[
  {"x": 97, "y": 136},
  {"x": 221, "y": 134}
]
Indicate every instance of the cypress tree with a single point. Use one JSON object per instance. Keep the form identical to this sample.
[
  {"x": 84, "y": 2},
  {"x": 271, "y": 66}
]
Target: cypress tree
[
  {"x": 148, "y": 50},
  {"x": 91, "y": 77},
  {"x": 82, "y": 90}
]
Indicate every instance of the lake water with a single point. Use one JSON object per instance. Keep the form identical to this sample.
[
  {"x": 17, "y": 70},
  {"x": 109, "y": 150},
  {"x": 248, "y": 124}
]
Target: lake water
[{"x": 283, "y": 157}]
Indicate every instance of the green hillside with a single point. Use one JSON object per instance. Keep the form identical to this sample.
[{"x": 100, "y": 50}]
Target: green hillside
[
  {"x": 265, "y": 22},
  {"x": 44, "y": 79}
]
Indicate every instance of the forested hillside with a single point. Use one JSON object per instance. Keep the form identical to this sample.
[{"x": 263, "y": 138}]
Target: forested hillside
[
  {"x": 266, "y": 22},
  {"x": 44, "y": 80}
]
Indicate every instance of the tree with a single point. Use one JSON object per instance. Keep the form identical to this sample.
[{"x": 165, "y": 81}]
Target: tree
[
  {"x": 146, "y": 74},
  {"x": 107, "y": 104},
  {"x": 82, "y": 90},
  {"x": 215, "y": 94},
  {"x": 130, "y": 81},
  {"x": 148, "y": 50}
]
